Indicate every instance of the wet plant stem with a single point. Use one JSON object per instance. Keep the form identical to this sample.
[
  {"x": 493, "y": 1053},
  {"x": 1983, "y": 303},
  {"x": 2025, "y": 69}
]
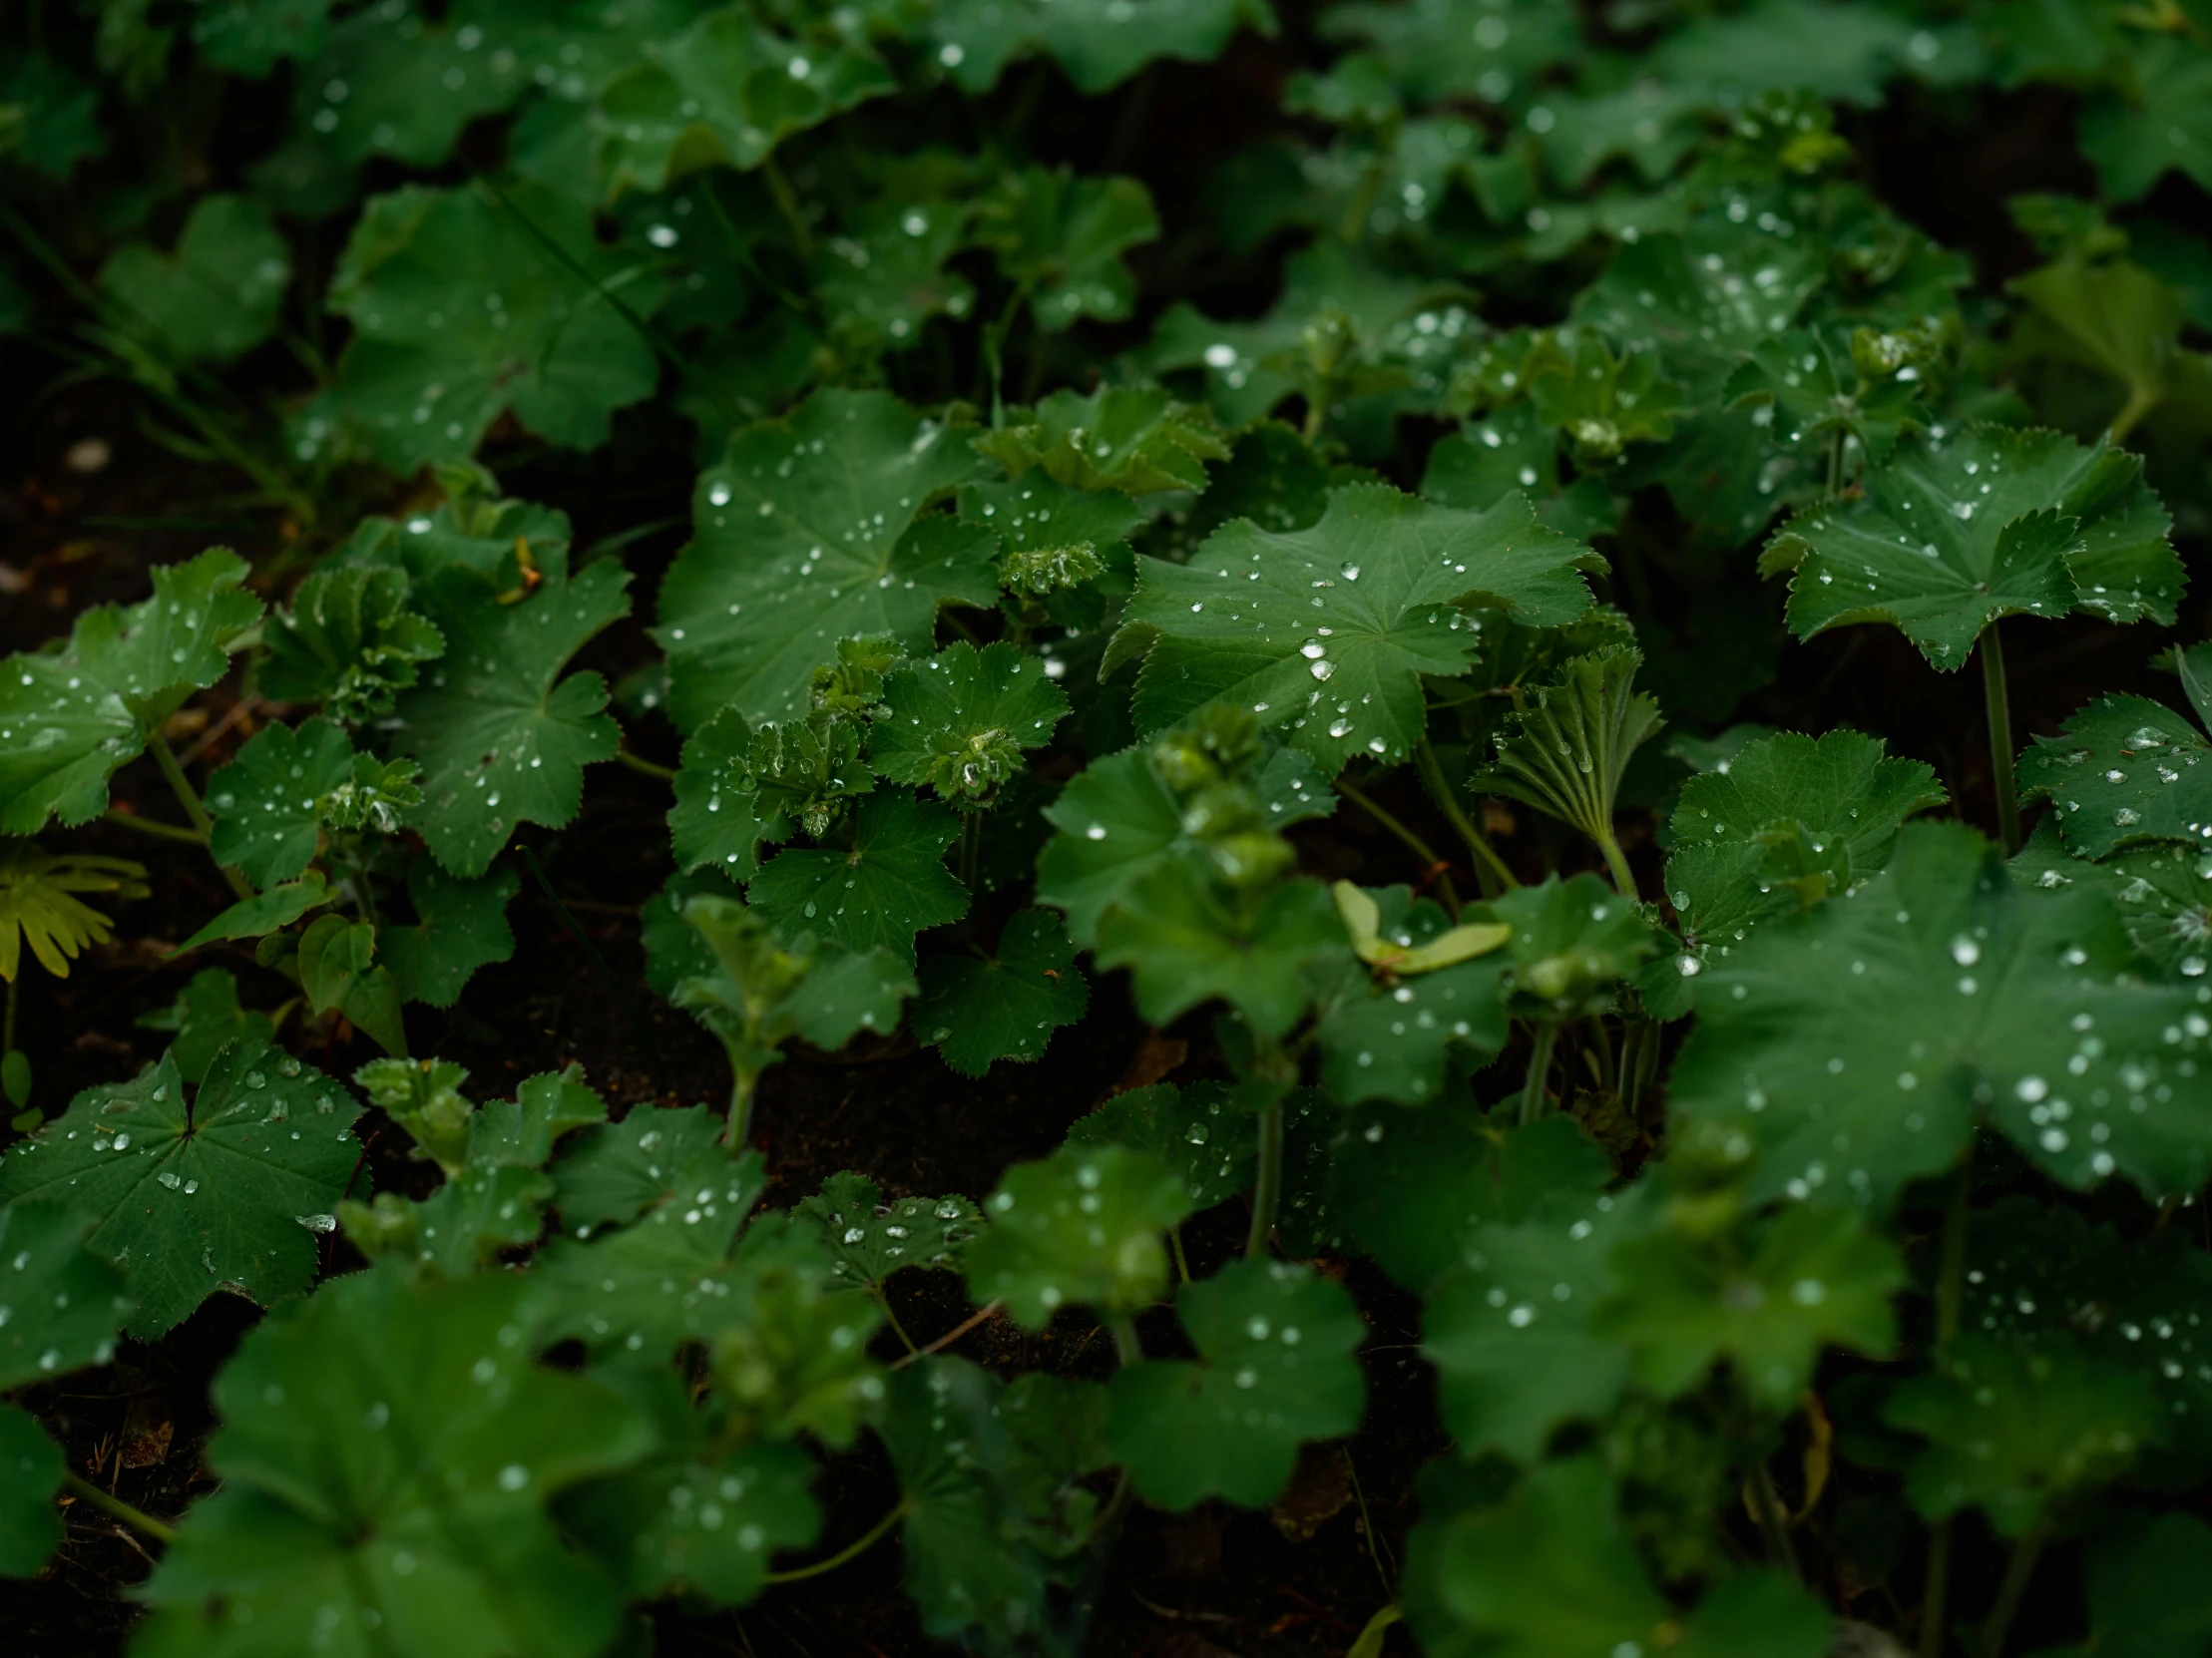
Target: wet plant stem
[
  {"x": 851, "y": 1551},
  {"x": 2001, "y": 739},
  {"x": 155, "y": 827},
  {"x": 1543, "y": 1038},
  {"x": 188, "y": 797},
  {"x": 1412, "y": 842},
  {"x": 645, "y": 767},
  {"x": 745, "y": 1084},
  {"x": 1174, "y": 1234},
  {"x": 1950, "y": 1284},
  {"x": 1267, "y": 1193},
  {"x": 2017, "y": 1571},
  {"x": 892, "y": 1319},
  {"x": 1617, "y": 864},
  {"x": 971, "y": 847},
  {"x": 116, "y": 1508},
  {"x": 1489, "y": 869}
]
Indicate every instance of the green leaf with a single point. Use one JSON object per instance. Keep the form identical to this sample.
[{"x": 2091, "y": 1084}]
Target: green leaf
[
  {"x": 458, "y": 1229},
  {"x": 613, "y": 1173},
  {"x": 892, "y": 884},
  {"x": 2141, "y": 1589},
  {"x": 881, "y": 280},
  {"x": 339, "y": 969},
  {"x": 794, "y": 1360},
  {"x": 724, "y": 93},
  {"x": 1411, "y": 1187},
  {"x": 65, "y": 1301},
  {"x": 1812, "y": 1279},
  {"x": 1947, "y": 538},
  {"x": 1388, "y": 1035},
  {"x": 555, "y": 351},
  {"x": 460, "y": 926},
  {"x": 423, "y": 1097},
  {"x": 40, "y": 906},
  {"x": 265, "y": 802},
  {"x": 1119, "y": 822},
  {"x": 1097, "y": 43},
  {"x": 1704, "y": 299},
  {"x": 869, "y": 1240},
  {"x": 1516, "y": 1359},
  {"x": 382, "y": 61},
  {"x": 1136, "y": 439},
  {"x": 249, "y": 37},
  {"x": 811, "y": 531},
  {"x": 232, "y": 1191},
  {"x": 694, "y": 1517},
  {"x": 2153, "y": 120},
  {"x": 205, "y": 1018},
  {"x": 30, "y": 1525},
  {"x": 2014, "y": 1428},
  {"x": 1187, "y": 942},
  {"x": 1004, "y": 1005},
  {"x": 1841, "y": 794},
  {"x": 1276, "y": 1368},
  {"x": 267, "y": 912},
  {"x": 1082, "y": 1226},
  {"x": 520, "y": 1132},
  {"x": 387, "y": 1455},
  {"x": 1602, "y": 402},
  {"x": 1567, "y": 754},
  {"x": 1572, "y": 942},
  {"x": 1801, "y": 378},
  {"x": 722, "y": 818},
  {"x": 2124, "y": 771},
  {"x": 1440, "y": 49},
  {"x": 957, "y": 722},
  {"x": 217, "y": 296},
  {"x": 70, "y": 719},
  {"x": 1060, "y": 236},
  {"x": 2160, "y": 889},
  {"x": 1976, "y": 995},
  {"x": 1384, "y": 574},
  {"x": 349, "y": 643},
  {"x": 502, "y": 738},
  {"x": 1206, "y": 1133}
]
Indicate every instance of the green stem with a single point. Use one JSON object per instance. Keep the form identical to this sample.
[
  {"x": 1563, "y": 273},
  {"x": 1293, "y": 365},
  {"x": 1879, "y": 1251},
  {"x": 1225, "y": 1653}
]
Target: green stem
[
  {"x": 1933, "y": 1609},
  {"x": 645, "y": 767},
  {"x": 188, "y": 798},
  {"x": 116, "y": 1508},
  {"x": 745, "y": 1083},
  {"x": 155, "y": 826},
  {"x": 897, "y": 1329},
  {"x": 1539, "y": 1066},
  {"x": 2000, "y": 738},
  {"x": 1616, "y": 865},
  {"x": 2140, "y": 401},
  {"x": 1489, "y": 869},
  {"x": 1414, "y": 843},
  {"x": 1174, "y": 1234},
  {"x": 1367, "y": 1529},
  {"x": 1773, "y": 1526},
  {"x": 971, "y": 847},
  {"x": 2017, "y": 1571},
  {"x": 1127, "y": 1350},
  {"x": 1951, "y": 1285},
  {"x": 787, "y": 203},
  {"x": 851, "y": 1551},
  {"x": 1835, "y": 462},
  {"x": 7, "y": 1043},
  {"x": 1268, "y": 1192}
]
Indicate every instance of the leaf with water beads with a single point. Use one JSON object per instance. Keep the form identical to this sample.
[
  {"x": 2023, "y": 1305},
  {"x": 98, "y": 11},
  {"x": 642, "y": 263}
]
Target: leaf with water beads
[
  {"x": 957, "y": 722},
  {"x": 1006, "y": 1006},
  {"x": 1573, "y": 944},
  {"x": 2124, "y": 769},
  {"x": 1856, "y": 1046},
  {"x": 265, "y": 803},
  {"x": 1060, "y": 236},
  {"x": 205, "y": 1016},
  {"x": 459, "y": 927},
  {"x": 1097, "y": 43},
  {"x": 655, "y": 1156},
  {"x": 1327, "y": 632},
  {"x": 1950, "y": 537},
  {"x": 64, "y": 1302},
  {"x": 1205, "y": 1132},
  {"x": 2164, "y": 891},
  {"x": 719, "y": 818},
  {"x": 1188, "y": 941},
  {"x": 1567, "y": 754},
  {"x": 347, "y": 642},
  {"x": 1385, "y": 1034},
  {"x": 1081, "y": 1227},
  {"x": 1276, "y": 1368},
  {"x": 387, "y": 1455},
  {"x": 811, "y": 531},
  {"x": 33, "y": 1465},
  {"x": 1800, "y": 379},
  {"x": 70, "y": 719},
  {"x": 233, "y": 1191},
  {"x": 217, "y": 296},
  {"x": 869, "y": 1240},
  {"x": 890, "y": 885},
  {"x": 1132, "y": 440}
]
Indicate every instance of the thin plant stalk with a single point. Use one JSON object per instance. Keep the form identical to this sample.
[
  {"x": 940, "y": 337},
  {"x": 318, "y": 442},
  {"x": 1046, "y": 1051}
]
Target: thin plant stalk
[
  {"x": 744, "y": 1085},
  {"x": 155, "y": 827},
  {"x": 645, "y": 767},
  {"x": 116, "y": 1508},
  {"x": 2001, "y": 739},
  {"x": 1546, "y": 1036},
  {"x": 1951, "y": 1285},
  {"x": 1182, "y": 1261},
  {"x": 188, "y": 797},
  {"x": 897, "y": 1329},
  {"x": 2017, "y": 1571},
  {"x": 1413, "y": 843},
  {"x": 971, "y": 847},
  {"x": 1267, "y": 1193},
  {"x": 1617, "y": 864},
  {"x": 1773, "y": 1525},
  {"x": 1489, "y": 869},
  {"x": 851, "y": 1551},
  {"x": 1128, "y": 1349}
]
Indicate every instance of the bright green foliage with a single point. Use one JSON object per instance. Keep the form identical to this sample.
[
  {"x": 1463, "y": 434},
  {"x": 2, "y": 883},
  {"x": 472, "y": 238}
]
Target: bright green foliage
[
  {"x": 266, "y": 803},
  {"x": 1785, "y": 822},
  {"x": 217, "y": 296},
  {"x": 349, "y": 643},
  {"x": 2124, "y": 770},
  {"x": 40, "y": 907},
  {"x": 339, "y": 971},
  {"x": 64, "y": 1302},
  {"x": 1053, "y": 537},
  {"x": 1274, "y": 1367},
  {"x": 395, "y": 1448},
  {"x": 503, "y": 738},
  {"x": 1325, "y": 633},
  {"x": 1082, "y": 1226},
  {"x": 1187, "y": 942},
  {"x": 459, "y": 927},
  {"x": 2160, "y": 890},
  {"x": 232, "y": 1190},
  {"x": 891, "y": 884},
  {"x": 2116, "y": 320},
  {"x": 1948, "y": 538},
  {"x": 611, "y": 1175},
  {"x": 1203, "y": 1132},
  {"x": 267, "y": 912},
  {"x": 1819, "y": 393},
  {"x": 1005, "y": 1005},
  {"x": 206, "y": 1015},
  {"x": 1602, "y": 402},
  {"x": 1134, "y": 439},
  {"x": 461, "y": 312},
  {"x": 1385, "y": 1034},
  {"x": 725, "y": 92},
  {"x": 957, "y": 722},
  {"x": 70, "y": 719},
  {"x": 1096, "y": 44},
  {"x": 1566, "y": 755},
  {"x": 720, "y": 817},
  {"x": 1857, "y": 1046},
  {"x": 798, "y": 1361},
  {"x": 424, "y": 1098},
  {"x": 1572, "y": 942},
  {"x": 1806, "y": 1279},
  {"x": 1060, "y": 237},
  {"x": 869, "y": 1240},
  {"x": 2013, "y": 1429},
  {"x": 30, "y": 1526}
]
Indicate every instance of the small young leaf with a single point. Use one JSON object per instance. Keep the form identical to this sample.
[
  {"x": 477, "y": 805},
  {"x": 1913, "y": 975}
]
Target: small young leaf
[
  {"x": 1187, "y": 942},
  {"x": 1095, "y": 41},
  {"x": 892, "y": 884},
  {"x": 870, "y": 1240},
  {"x": 460, "y": 926},
  {"x": 266, "y": 803},
  {"x": 1002, "y": 1007},
  {"x": 349, "y": 643},
  {"x": 40, "y": 906},
  {"x": 1274, "y": 1368},
  {"x": 230, "y": 1193},
  {"x": 1130, "y": 440},
  {"x": 1602, "y": 402},
  {"x": 1082, "y": 1226},
  {"x": 267, "y": 912},
  {"x": 720, "y": 817},
  {"x": 957, "y": 722},
  {"x": 1572, "y": 942},
  {"x": 1203, "y": 1132},
  {"x": 339, "y": 969},
  {"x": 1566, "y": 755},
  {"x": 2124, "y": 769},
  {"x": 1060, "y": 236},
  {"x": 1801, "y": 377},
  {"x": 205, "y": 1018},
  {"x": 217, "y": 296},
  {"x": 609, "y": 1175}
]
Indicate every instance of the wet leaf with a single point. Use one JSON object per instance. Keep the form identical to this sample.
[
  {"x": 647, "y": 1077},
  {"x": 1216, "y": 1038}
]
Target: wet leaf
[
  {"x": 1006, "y": 1006},
  {"x": 1082, "y": 1226}
]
